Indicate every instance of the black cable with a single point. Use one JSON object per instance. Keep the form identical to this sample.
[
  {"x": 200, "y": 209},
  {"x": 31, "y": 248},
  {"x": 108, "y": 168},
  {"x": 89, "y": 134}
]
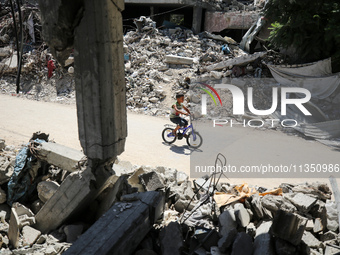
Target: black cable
[{"x": 21, "y": 47}]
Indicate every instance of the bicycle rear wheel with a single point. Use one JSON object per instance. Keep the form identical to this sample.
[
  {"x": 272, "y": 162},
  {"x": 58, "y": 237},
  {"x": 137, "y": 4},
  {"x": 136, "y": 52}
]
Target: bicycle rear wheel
[
  {"x": 167, "y": 135},
  {"x": 194, "y": 141}
]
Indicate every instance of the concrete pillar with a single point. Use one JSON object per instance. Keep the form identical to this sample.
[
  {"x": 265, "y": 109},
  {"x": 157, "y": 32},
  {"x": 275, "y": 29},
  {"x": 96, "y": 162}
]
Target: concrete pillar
[
  {"x": 197, "y": 19},
  {"x": 100, "y": 79}
]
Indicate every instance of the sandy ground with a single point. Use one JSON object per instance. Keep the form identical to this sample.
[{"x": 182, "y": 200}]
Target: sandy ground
[{"x": 19, "y": 118}]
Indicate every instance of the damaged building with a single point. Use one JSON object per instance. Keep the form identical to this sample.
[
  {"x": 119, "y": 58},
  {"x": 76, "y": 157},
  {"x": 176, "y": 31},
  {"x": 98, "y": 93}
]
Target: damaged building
[{"x": 57, "y": 200}]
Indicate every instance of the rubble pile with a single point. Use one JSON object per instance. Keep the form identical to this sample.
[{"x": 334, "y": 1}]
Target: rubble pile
[
  {"x": 174, "y": 215},
  {"x": 34, "y": 79},
  {"x": 239, "y": 219},
  {"x": 198, "y": 217},
  {"x": 163, "y": 62}
]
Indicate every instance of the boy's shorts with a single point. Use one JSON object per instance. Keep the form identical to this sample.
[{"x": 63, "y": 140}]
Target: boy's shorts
[{"x": 179, "y": 121}]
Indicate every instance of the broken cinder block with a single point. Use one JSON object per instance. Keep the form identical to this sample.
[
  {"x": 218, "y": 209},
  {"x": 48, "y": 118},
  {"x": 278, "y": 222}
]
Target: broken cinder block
[
  {"x": 289, "y": 226},
  {"x": 61, "y": 156},
  {"x": 122, "y": 227}
]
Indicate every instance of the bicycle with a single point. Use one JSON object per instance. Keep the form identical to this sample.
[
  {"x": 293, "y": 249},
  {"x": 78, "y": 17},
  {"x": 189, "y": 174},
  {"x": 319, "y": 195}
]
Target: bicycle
[{"x": 194, "y": 139}]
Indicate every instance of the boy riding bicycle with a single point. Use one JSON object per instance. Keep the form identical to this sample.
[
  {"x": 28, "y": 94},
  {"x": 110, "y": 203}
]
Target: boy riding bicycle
[{"x": 176, "y": 110}]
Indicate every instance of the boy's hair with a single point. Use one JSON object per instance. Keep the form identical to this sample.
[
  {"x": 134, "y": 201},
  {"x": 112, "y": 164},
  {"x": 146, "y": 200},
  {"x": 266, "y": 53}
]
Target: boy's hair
[{"x": 179, "y": 96}]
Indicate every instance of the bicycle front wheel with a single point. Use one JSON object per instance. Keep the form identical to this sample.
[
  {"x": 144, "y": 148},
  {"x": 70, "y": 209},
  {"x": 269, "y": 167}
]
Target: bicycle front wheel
[
  {"x": 167, "y": 135},
  {"x": 194, "y": 140}
]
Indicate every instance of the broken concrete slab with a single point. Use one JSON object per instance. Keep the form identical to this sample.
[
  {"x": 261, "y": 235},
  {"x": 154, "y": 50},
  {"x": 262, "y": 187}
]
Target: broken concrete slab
[
  {"x": 332, "y": 216},
  {"x": 242, "y": 215},
  {"x": 243, "y": 244},
  {"x": 318, "y": 226},
  {"x": 14, "y": 231},
  {"x": 243, "y": 60},
  {"x": 289, "y": 226},
  {"x": 273, "y": 203},
  {"x": 71, "y": 195},
  {"x": 121, "y": 167},
  {"x": 263, "y": 244},
  {"x": 309, "y": 239},
  {"x": 122, "y": 228},
  {"x": 172, "y": 59},
  {"x": 46, "y": 189},
  {"x": 134, "y": 181},
  {"x": 151, "y": 181},
  {"x": 30, "y": 235},
  {"x": 302, "y": 202},
  {"x": 20, "y": 216},
  {"x": 61, "y": 156},
  {"x": 227, "y": 222},
  {"x": 330, "y": 250},
  {"x": 171, "y": 239},
  {"x": 227, "y": 240},
  {"x": 108, "y": 193},
  {"x": 257, "y": 206}
]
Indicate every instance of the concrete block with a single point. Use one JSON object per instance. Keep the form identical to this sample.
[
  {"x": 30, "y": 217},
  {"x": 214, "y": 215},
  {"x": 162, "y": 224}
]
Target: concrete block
[
  {"x": 134, "y": 181},
  {"x": 310, "y": 225},
  {"x": 302, "y": 202},
  {"x": 5, "y": 212},
  {"x": 273, "y": 203},
  {"x": 60, "y": 156},
  {"x": 309, "y": 239},
  {"x": 242, "y": 215},
  {"x": 227, "y": 240},
  {"x": 151, "y": 181},
  {"x": 263, "y": 244},
  {"x": 71, "y": 195},
  {"x": 243, "y": 244},
  {"x": 171, "y": 239},
  {"x": 30, "y": 235},
  {"x": 46, "y": 189},
  {"x": 172, "y": 59},
  {"x": 181, "y": 177},
  {"x": 108, "y": 193},
  {"x": 227, "y": 222},
  {"x": 289, "y": 226},
  {"x": 122, "y": 228},
  {"x": 122, "y": 167},
  {"x": 318, "y": 226},
  {"x": 332, "y": 216},
  {"x": 257, "y": 206},
  {"x": 235, "y": 61},
  {"x": 331, "y": 250}
]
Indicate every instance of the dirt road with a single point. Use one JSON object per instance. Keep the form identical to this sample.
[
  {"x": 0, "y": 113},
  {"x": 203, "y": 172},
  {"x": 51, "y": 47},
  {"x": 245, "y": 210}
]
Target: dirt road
[{"x": 21, "y": 117}]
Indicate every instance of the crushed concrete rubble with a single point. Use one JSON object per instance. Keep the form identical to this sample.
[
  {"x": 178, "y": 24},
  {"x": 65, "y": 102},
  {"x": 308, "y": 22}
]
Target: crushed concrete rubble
[{"x": 173, "y": 214}]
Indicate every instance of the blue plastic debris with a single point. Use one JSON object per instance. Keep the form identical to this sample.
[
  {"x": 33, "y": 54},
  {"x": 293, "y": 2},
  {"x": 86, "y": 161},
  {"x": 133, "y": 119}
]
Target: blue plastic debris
[{"x": 20, "y": 185}]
